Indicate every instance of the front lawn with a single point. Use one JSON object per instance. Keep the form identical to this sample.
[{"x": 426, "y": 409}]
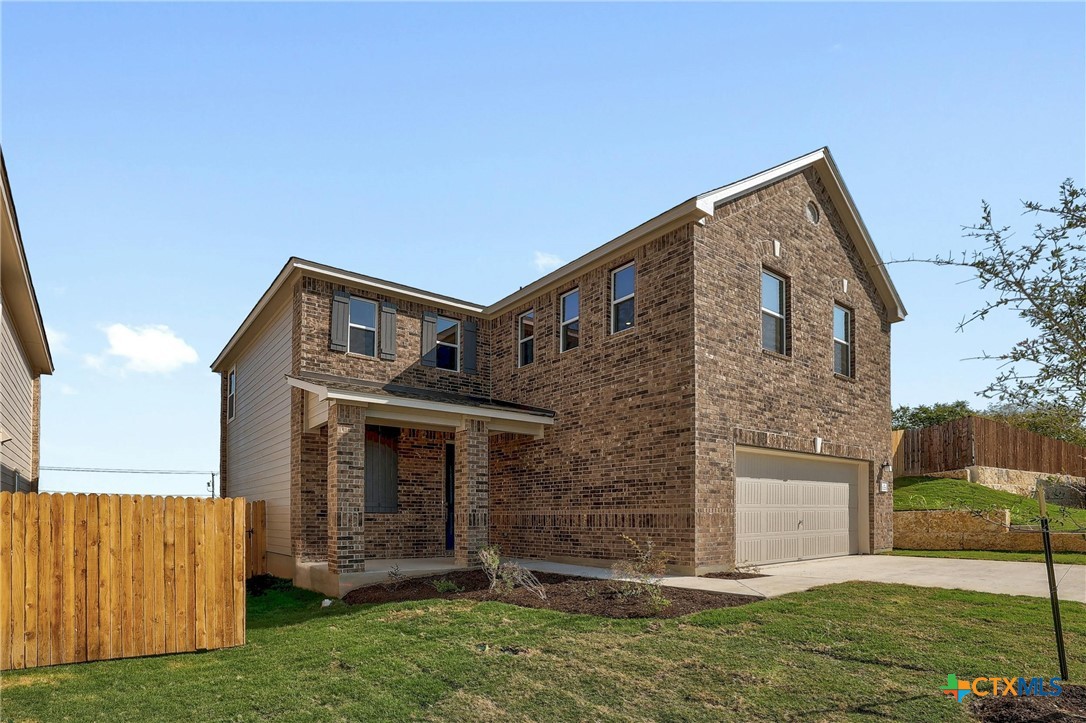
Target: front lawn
[
  {"x": 1060, "y": 558},
  {"x": 926, "y": 493},
  {"x": 843, "y": 651}
]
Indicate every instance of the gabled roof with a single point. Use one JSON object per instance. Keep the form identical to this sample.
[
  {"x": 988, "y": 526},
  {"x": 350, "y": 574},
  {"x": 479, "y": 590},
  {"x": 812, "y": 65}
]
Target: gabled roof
[
  {"x": 693, "y": 209},
  {"x": 19, "y": 296},
  {"x": 705, "y": 205}
]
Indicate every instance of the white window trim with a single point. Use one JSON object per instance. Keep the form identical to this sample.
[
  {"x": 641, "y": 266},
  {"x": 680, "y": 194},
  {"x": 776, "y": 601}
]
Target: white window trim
[
  {"x": 438, "y": 342},
  {"x": 846, "y": 342},
  {"x": 563, "y": 323},
  {"x": 351, "y": 325},
  {"x": 232, "y": 394},
  {"x": 522, "y": 339},
  {"x": 615, "y": 302},
  {"x": 784, "y": 308}
]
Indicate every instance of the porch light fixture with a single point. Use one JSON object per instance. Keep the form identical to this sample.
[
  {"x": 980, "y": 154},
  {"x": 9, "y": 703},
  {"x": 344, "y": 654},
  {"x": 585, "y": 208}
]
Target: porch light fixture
[{"x": 886, "y": 473}]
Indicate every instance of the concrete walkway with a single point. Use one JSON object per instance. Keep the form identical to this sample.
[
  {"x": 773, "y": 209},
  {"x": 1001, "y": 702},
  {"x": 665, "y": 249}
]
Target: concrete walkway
[{"x": 1007, "y": 578}]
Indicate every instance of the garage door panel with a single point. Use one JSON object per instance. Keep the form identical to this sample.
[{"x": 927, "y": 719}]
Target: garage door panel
[{"x": 810, "y": 514}]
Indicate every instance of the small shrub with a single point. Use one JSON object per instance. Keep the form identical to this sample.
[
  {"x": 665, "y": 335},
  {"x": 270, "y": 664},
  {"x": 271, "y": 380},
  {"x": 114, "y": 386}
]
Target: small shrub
[
  {"x": 642, "y": 573},
  {"x": 505, "y": 576},
  {"x": 446, "y": 586},
  {"x": 395, "y": 578}
]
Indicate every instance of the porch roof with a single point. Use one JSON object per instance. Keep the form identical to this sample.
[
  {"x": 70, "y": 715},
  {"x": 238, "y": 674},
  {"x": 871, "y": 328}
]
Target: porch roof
[{"x": 415, "y": 407}]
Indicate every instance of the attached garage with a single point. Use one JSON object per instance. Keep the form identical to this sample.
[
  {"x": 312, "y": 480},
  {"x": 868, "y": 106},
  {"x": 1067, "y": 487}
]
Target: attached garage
[{"x": 796, "y": 507}]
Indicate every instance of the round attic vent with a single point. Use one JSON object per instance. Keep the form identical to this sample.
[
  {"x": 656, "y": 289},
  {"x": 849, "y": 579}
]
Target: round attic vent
[{"x": 812, "y": 212}]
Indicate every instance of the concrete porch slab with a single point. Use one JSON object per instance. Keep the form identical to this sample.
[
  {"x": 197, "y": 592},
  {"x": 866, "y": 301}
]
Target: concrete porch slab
[{"x": 315, "y": 575}]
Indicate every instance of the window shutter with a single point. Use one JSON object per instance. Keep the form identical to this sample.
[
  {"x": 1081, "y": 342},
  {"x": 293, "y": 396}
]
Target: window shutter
[
  {"x": 429, "y": 339},
  {"x": 341, "y": 317},
  {"x": 470, "y": 333},
  {"x": 388, "y": 330}
]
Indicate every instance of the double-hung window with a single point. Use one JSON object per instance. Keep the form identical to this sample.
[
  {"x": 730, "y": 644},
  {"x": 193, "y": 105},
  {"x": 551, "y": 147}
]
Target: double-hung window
[
  {"x": 526, "y": 338},
  {"x": 448, "y": 344},
  {"x": 774, "y": 313},
  {"x": 231, "y": 390},
  {"x": 362, "y": 337},
  {"x": 623, "y": 281},
  {"x": 842, "y": 340},
  {"x": 570, "y": 334}
]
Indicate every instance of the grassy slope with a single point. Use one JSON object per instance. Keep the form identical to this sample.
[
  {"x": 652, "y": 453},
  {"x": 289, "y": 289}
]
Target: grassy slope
[
  {"x": 846, "y": 651},
  {"x": 1060, "y": 558},
  {"x": 925, "y": 493}
]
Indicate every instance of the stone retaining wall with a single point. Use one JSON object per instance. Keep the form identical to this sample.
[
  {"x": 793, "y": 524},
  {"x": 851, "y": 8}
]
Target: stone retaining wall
[{"x": 957, "y": 530}]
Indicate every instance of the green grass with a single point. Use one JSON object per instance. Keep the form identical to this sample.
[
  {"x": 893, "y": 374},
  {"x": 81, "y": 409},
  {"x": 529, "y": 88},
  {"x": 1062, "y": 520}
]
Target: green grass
[
  {"x": 1060, "y": 558},
  {"x": 852, "y": 651},
  {"x": 926, "y": 493}
]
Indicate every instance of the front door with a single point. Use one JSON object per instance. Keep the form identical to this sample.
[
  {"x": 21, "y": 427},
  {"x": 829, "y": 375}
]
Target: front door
[{"x": 450, "y": 494}]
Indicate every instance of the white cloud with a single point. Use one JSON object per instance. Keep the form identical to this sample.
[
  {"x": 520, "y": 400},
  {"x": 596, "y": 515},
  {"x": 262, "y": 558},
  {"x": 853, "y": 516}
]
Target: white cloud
[
  {"x": 153, "y": 349},
  {"x": 58, "y": 340},
  {"x": 546, "y": 262}
]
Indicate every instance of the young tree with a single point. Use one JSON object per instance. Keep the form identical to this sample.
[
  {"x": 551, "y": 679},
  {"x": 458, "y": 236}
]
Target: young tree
[{"x": 1042, "y": 280}]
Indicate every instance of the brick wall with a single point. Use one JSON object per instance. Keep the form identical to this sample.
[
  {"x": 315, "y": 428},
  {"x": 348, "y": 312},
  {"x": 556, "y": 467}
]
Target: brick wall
[
  {"x": 347, "y": 487},
  {"x": 620, "y": 456},
  {"x": 313, "y": 309},
  {"x": 417, "y": 529},
  {"x": 743, "y": 393},
  {"x": 308, "y": 485}
]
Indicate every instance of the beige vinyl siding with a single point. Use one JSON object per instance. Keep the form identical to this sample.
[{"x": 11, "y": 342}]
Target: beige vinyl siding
[
  {"x": 258, "y": 438},
  {"x": 16, "y": 401}
]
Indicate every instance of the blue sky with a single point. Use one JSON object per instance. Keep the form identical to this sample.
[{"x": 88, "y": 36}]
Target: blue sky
[{"x": 167, "y": 159}]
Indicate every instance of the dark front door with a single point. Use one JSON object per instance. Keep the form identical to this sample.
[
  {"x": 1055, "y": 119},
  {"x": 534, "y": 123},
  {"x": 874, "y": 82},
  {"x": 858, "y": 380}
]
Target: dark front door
[{"x": 450, "y": 494}]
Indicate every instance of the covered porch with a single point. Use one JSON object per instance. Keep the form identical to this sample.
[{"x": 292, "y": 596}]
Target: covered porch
[{"x": 391, "y": 476}]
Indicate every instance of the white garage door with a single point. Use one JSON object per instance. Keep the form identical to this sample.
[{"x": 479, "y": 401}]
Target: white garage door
[{"x": 794, "y": 508}]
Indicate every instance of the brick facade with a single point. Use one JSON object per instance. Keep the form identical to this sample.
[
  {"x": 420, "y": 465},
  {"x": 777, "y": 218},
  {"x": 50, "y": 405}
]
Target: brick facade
[
  {"x": 751, "y": 397},
  {"x": 346, "y": 488},
  {"x": 620, "y": 458},
  {"x": 472, "y": 505}
]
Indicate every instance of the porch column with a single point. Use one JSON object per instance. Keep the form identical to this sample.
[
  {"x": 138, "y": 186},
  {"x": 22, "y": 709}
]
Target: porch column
[
  {"x": 472, "y": 499},
  {"x": 346, "y": 487}
]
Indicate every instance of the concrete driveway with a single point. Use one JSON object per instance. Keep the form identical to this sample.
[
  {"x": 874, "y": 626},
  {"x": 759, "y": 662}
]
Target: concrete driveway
[{"x": 1007, "y": 578}]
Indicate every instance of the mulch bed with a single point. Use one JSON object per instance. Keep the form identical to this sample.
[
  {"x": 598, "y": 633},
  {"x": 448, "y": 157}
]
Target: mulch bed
[
  {"x": 733, "y": 575},
  {"x": 564, "y": 593},
  {"x": 1069, "y": 705}
]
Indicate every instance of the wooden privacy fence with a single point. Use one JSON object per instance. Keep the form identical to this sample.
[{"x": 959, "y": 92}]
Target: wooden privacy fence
[
  {"x": 985, "y": 443},
  {"x": 91, "y": 577}
]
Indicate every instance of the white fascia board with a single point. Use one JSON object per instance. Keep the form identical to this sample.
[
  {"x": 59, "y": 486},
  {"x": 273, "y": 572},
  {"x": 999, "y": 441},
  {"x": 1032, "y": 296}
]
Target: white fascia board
[
  {"x": 386, "y": 287},
  {"x": 708, "y": 202},
  {"x": 380, "y": 400}
]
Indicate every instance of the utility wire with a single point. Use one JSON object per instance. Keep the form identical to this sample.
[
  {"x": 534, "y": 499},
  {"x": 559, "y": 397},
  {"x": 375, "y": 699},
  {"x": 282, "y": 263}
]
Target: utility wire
[{"x": 129, "y": 471}]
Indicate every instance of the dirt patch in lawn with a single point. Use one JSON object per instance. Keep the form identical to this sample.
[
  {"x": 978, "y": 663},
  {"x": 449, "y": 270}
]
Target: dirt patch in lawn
[
  {"x": 1070, "y": 704},
  {"x": 564, "y": 593},
  {"x": 732, "y": 575}
]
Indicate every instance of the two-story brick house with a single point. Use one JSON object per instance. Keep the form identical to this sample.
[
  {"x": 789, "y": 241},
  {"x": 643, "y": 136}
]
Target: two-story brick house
[{"x": 716, "y": 379}]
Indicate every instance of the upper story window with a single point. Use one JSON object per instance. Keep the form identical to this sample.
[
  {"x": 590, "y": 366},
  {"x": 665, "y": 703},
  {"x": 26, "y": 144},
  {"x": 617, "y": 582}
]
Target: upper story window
[
  {"x": 448, "y": 344},
  {"x": 570, "y": 334},
  {"x": 842, "y": 340},
  {"x": 231, "y": 388},
  {"x": 623, "y": 280},
  {"x": 774, "y": 312},
  {"x": 526, "y": 338},
  {"x": 362, "y": 337}
]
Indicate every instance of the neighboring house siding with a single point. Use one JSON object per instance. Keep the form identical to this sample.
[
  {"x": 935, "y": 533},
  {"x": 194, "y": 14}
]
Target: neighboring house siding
[
  {"x": 744, "y": 393},
  {"x": 258, "y": 438},
  {"x": 620, "y": 456},
  {"x": 17, "y": 405}
]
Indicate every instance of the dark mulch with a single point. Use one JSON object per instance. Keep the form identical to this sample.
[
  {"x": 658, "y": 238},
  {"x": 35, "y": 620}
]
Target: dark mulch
[
  {"x": 564, "y": 593},
  {"x": 733, "y": 575},
  {"x": 1069, "y": 705}
]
